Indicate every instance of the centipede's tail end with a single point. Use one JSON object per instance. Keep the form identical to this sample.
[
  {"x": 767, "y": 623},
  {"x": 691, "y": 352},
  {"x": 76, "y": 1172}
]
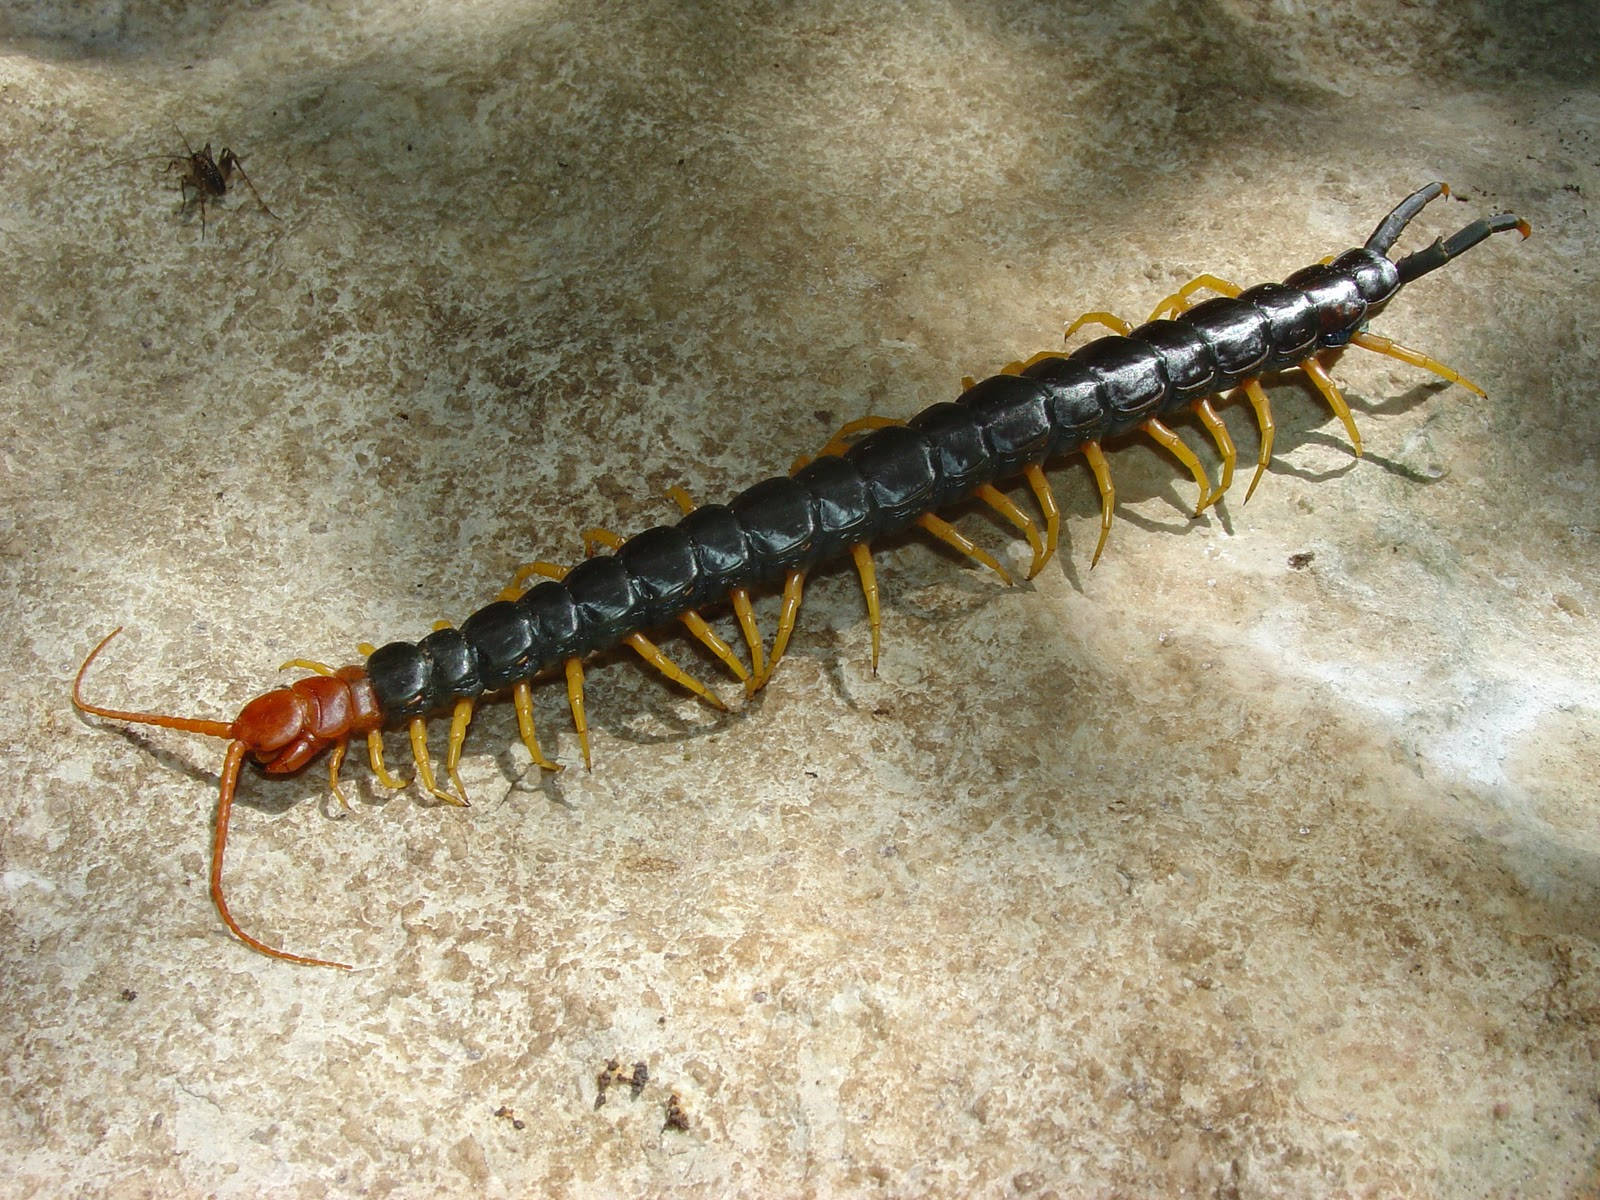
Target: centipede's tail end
[{"x": 1414, "y": 266}]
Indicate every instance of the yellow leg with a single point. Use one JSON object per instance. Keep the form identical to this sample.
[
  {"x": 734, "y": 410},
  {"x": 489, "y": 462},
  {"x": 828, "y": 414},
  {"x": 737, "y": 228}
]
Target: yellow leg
[
  {"x": 1165, "y": 437},
  {"x": 746, "y": 617},
  {"x": 1110, "y": 320},
  {"x": 839, "y": 442},
  {"x": 1263, "y": 408},
  {"x": 1017, "y": 368},
  {"x": 651, "y": 653},
  {"x": 307, "y": 664},
  {"x": 869, "y": 589},
  {"x": 951, "y": 536},
  {"x": 708, "y": 638},
  {"x": 419, "y": 750},
  {"x": 334, "y": 761},
  {"x": 1179, "y": 300},
  {"x": 580, "y": 721},
  {"x": 1108, "y": 494},
  {"x": 741, "y": 600},
  {"x": 1048, "y": 506},
  {"x": 522, "y": 701},
  {"x": 1330, "y": 393},
  {"x": 1383, "y": 345},
  {"x": 1219, "y": 435},
  {"x": 593, "y": 539},
  {"x": 793, "y": 586},
  {"x": 1002, "y": 504},
  {"x": 460, "y": 718},
  {"x": 375, "y": 757}
]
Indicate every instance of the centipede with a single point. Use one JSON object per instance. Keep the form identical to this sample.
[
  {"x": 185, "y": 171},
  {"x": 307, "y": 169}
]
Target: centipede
[{"x": 876, "y": 478}]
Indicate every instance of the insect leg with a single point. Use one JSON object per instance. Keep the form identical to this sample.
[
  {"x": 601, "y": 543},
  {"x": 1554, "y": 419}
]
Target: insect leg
[
  {"x": 229, "y": 163},
  {"x": 375, "y": 757},
  {"x": 953, "y": 537},
  {"x": 575, "y": 701},
  {"x": 746, "y": 616},
  {"x": 1173, "y": 443},
  {"x": 1263, "y": 409},
  {"x": 696, "y": 624},
  {"x": 334, "y": 761},
  {"x": 522, "y": 701},
  {"x": 418, "y": 729},
  {"x": 1110, "y": 320},
  {"x": 838, "y": 443},
  {"x": 1219, "y": 435},
  {"x": 1393, "y": 349},
  {"x": 1179, "y": 300},
  {"x": 595, "y": 538},
  {"x": 1330, "y": 392},
  {"x": 1002, "y": 504},
  {"x": 651, "y": 653},
  {"x": 1048, "y": 506},
  {"x": 1108, "y": 494},
  {"x": 460, "y": 718},
  {"x": 793, "y": 584},
  {"x": 869, "y": 588}
]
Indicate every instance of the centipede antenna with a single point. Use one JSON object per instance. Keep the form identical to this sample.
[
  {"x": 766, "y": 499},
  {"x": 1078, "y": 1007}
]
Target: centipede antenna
[
  {"x": 1414, "y": 266},
  {"x": 221, "y": 729},
  {"x": 230, "y": 781},
  {"x": 1389, "y": 229}
]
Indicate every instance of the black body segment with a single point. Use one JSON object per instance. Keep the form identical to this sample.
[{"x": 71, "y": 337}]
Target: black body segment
[
  {"x": 602, "y": 599},
  {"x": 1012, "y": 420},
  {"x": 661, "y": 566},
  {"x": 502, "y": 638},
  {"x": 1132, "y": 380},
  {"x": 1292, "y": 322},
  {"x": 962, "y": 462},
  {"x": 778, "y": 524},
  {"x": 842, "y": 513},
  {"x": 898, "y": 468}
]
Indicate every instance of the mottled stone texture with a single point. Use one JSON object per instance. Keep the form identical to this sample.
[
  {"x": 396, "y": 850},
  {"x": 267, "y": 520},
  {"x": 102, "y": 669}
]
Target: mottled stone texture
[{"x": 1199, "y": 873}]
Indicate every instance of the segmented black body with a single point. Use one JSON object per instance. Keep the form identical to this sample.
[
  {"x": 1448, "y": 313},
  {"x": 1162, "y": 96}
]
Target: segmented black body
[
  {"x": 843, "y": 500},
  {"x": 884, "y": 482}
]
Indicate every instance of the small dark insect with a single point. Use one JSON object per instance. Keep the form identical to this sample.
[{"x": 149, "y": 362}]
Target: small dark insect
[
  {"x": 210, "y": 177},
  {"x": 128, "y": 995},
  {"x": 614, "y": 1073},
  {"x": 877, "y": 477},
  {"x": 676, "y": 1118},
  {"x": 1299, "y": 562},
  {"x": 506, "y": 1113}
]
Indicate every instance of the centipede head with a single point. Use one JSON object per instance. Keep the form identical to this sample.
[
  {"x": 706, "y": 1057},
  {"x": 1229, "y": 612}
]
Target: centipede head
[{"x": 282, "y": 730}]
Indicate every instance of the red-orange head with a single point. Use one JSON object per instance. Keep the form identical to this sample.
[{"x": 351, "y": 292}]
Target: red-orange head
[{"x": 283, "y": 730}]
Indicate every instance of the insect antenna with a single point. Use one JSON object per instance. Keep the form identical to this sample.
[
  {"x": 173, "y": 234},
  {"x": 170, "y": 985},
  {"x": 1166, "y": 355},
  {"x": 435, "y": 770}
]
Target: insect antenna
[{"x": 220, "y": 729}]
